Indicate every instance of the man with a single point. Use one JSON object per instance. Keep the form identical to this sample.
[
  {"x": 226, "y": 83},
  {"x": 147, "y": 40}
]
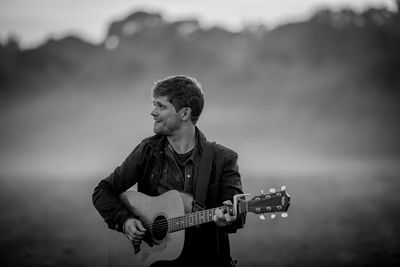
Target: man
[{"x": 169, "y": 160}]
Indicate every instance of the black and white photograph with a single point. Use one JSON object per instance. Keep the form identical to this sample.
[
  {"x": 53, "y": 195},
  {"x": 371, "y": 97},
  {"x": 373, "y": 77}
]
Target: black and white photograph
[{"x": 225, "y": 133}]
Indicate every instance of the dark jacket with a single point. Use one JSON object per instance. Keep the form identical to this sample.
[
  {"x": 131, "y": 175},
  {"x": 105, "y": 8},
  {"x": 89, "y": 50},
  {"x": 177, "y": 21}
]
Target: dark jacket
[{"x": 144, "y": 166}]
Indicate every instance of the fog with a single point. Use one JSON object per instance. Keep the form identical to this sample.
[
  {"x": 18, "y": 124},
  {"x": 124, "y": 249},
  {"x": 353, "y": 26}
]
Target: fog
[{"x": 313, "y": 105}]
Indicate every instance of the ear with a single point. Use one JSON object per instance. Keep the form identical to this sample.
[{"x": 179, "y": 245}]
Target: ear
[{"x": 186, "y": 113}]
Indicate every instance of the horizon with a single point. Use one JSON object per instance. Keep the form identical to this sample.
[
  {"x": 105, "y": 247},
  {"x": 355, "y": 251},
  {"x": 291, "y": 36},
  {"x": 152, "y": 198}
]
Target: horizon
[{"x": 31, "y": 29}]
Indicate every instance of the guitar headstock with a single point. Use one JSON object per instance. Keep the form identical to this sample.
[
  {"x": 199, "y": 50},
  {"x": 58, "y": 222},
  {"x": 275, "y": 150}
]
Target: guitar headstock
[{"x": 270, "y": 203}]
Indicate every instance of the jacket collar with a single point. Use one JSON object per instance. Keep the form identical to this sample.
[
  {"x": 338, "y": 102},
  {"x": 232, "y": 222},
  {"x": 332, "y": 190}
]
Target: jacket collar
[{"x": 199, "y": 147}]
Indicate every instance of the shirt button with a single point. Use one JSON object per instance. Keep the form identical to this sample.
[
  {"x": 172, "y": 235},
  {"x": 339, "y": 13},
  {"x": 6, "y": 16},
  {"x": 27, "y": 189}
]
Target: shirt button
[{"x": 188, "y": 175}]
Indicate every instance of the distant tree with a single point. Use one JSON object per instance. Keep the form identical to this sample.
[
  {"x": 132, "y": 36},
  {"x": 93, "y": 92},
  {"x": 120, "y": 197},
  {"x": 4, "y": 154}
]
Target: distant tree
[{"x": 9, "y": 53}]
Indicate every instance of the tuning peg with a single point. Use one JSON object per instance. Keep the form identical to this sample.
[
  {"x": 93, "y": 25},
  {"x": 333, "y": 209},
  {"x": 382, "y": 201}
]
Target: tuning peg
[
  {"x": 272, "y": 190},
  {"x": 262, "y": 217},
  {"x": 273, "y": 215},
  {"x": 284, "y": 215},
  {"x": 283, "y": 188}
]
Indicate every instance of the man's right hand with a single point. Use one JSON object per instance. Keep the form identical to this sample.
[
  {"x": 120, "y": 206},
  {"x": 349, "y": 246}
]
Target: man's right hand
[{"x": 134, "y": 231}]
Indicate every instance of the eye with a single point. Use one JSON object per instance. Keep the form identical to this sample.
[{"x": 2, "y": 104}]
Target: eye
[{"x": 157, "y": 104}]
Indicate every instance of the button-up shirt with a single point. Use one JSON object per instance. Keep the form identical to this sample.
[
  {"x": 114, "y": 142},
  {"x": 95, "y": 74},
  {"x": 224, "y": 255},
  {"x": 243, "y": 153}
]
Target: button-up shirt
[{"x": 176, "y": 175}]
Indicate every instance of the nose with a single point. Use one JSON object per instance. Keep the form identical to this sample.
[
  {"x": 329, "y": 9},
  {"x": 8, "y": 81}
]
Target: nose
[{"x": 153, "y": 112}]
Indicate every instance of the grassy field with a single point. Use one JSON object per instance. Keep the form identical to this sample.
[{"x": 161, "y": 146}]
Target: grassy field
[{"x": 334, "y": 220}]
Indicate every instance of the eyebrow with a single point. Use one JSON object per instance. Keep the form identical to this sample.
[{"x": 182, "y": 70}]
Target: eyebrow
[{"x": 158, "y": 103}]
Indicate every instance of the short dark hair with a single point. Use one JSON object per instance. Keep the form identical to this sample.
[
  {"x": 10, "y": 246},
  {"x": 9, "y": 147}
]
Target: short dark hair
[{"x": 182, "y": 91}]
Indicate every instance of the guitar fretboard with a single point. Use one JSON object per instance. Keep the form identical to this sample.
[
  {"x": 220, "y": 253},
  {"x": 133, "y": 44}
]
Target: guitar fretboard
[{"x": 200, "y": 217}]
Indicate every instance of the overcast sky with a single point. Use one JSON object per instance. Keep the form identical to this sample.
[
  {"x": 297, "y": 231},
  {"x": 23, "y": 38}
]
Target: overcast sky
[{"x": 33, "y": 21}]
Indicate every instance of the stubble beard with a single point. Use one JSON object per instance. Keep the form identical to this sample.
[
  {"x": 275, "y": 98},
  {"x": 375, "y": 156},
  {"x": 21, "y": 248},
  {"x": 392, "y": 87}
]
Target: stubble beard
[{"x": 165, "y": 129}]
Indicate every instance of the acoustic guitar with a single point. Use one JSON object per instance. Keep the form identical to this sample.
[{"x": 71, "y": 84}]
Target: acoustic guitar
[{"x": 165, "y": 216}]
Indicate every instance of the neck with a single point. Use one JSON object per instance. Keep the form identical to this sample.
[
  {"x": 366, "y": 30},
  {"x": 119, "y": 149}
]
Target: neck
[
  {"x": 184, "y": 140},
  {"x": 201, "y": 217}
]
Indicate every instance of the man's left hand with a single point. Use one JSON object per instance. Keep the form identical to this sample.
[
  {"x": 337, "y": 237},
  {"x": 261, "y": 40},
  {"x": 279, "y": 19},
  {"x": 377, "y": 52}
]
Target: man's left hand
[{"x": 223, "y": 217}]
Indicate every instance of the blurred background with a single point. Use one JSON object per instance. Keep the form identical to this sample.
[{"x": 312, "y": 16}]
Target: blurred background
[{"x": 306, "y": 92}]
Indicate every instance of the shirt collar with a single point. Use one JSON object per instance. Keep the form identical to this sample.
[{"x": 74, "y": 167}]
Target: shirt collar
[{"x": 200, "y": 140}]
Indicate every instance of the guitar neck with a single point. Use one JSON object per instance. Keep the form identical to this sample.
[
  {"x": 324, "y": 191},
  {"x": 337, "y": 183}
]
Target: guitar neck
[{"x": 200, "y": 217}]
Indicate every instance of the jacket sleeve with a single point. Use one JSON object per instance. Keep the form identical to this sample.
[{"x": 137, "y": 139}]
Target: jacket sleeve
[
  {"x": 106, "y": 194},
  {"x": 231, "y": 184}
]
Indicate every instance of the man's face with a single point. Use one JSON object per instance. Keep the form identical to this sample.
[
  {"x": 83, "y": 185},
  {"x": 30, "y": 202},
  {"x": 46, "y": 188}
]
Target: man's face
[{"x": 166, "y": 119}]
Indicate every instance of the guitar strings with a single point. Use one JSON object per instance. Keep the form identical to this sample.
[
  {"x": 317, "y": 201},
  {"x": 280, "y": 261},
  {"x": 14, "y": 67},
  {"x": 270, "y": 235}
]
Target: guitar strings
[
  {"x": 172, "y": 221},
  {"x": 164, "y": 225},
  {"x": 185, "y": 219},
  {"x": 168, "y": 225}
]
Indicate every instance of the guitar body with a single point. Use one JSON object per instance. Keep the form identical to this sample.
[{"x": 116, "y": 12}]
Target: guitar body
[{"x": 153, "y": 212}]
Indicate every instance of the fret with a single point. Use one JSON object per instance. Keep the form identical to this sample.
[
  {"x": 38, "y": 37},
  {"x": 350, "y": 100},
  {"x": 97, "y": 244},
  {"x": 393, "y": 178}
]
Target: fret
[{"x": 200, "y": 217}]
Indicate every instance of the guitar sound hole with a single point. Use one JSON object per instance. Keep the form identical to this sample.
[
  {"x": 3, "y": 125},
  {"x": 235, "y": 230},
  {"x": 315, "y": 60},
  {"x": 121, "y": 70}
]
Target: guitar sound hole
[{"x": 159, "y": 228}]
